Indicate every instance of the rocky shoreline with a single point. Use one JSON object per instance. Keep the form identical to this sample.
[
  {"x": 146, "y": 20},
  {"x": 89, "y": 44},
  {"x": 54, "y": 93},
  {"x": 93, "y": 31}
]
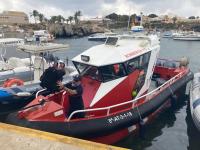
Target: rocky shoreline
[{"x": 58, "y": 30}]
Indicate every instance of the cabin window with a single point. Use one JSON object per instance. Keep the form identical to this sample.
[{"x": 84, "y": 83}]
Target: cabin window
[
  {"x": 145, "y": 61},
  {"x": 111, "y": 40},
  {"x": 140, "y": 62},
  {"x": 133, "y": 64},
  {"x": 111, "y": 72},
  {"x": 88, "y": 71}
]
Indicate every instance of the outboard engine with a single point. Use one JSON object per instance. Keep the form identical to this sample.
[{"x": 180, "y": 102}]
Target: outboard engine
[{"x": 184, "y": 61}]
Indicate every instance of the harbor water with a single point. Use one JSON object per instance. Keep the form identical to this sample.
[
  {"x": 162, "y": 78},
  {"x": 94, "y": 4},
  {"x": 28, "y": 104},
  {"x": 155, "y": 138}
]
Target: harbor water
[{"x": 173, "y": 129}]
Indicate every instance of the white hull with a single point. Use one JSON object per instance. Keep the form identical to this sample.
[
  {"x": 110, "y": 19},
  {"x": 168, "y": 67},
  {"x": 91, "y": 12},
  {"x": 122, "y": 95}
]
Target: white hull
[
  {"x": 101, "y": 36},
  {"x": 195, "y": 100},
  {"x": 187, "y": 38}
]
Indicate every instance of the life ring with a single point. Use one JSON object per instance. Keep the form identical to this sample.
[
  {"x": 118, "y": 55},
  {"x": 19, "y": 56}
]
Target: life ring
[{"x": 13, "y": 81}]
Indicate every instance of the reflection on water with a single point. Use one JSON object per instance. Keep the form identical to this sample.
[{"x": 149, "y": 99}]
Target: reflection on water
[{"x": 154, "y": 130}]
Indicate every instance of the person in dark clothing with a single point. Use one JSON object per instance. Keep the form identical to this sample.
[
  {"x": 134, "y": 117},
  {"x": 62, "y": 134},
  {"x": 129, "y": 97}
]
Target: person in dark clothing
[
  {"x": 75, "y": 99},
  {"x": 50, "y": 78}
]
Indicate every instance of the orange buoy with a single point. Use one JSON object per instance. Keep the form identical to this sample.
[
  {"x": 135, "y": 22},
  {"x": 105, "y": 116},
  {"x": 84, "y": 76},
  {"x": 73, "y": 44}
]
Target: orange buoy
[{"x": 13, "y": 81}]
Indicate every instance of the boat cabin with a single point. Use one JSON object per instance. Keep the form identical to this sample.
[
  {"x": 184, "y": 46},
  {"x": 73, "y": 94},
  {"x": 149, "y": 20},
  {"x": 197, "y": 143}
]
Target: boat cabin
[{"x": 118, "y": 70}]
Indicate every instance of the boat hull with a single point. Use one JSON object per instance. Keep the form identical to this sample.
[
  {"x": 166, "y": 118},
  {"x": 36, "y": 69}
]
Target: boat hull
[
  {"x": 10, "y": 102},
  {"x": 195, "y": 100},
  {"x": 25, "y": 75},
  {"x": 187, "y": 38},
  {"x": 92, "y": 128}
]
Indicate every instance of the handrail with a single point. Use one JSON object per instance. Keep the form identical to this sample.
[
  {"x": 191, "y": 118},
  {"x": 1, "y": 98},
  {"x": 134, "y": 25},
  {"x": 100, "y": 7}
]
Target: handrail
[
  {"x": 124, "y": 103},
  {"x": 36, "y": 95}
]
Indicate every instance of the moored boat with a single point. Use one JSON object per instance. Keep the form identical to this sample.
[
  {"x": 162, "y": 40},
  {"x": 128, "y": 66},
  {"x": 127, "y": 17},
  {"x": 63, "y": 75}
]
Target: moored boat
[
  {"x": 44, "y": 36},
  {"x": 20, "y": 84},
  {"x": 187, "y": 36},
  {"x": 195, "y": 100},
  {"x": 116, "y": 78},
  {"x": 101, "y": 36}
]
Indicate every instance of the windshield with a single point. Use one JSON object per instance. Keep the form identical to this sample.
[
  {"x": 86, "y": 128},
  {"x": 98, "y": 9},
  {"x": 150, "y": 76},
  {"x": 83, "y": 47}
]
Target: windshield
[
  {"x": 88, "y": 71},
  {"x": 103, "y": 73}
]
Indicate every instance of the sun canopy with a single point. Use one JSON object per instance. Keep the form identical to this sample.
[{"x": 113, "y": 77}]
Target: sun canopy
[{"x": 44, "y": 47}]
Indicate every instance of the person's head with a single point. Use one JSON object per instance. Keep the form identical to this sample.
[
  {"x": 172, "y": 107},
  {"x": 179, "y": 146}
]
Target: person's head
[
  {"x": 77, "y": 79},
  {"x": 55, "y": 64},
  {"x": 61, "y": 64}
]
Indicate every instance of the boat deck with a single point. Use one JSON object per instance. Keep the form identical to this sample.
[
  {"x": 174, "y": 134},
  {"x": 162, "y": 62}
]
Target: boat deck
[{"x": 18, "y": 138}]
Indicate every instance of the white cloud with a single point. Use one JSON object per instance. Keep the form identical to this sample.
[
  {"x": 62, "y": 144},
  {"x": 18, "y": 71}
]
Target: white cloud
[
  {"x": 93, "y": 8},
  {"x": 121, "y": 7}
]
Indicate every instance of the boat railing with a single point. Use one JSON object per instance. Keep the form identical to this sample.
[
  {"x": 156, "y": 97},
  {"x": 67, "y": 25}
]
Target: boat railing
[
  {"x": 151, "y": 93},
  {"x": 38, "y": 92}
]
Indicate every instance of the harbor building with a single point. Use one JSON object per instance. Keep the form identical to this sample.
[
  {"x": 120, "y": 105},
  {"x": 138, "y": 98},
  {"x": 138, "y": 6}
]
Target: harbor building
[{"x": 13, "y": 17}]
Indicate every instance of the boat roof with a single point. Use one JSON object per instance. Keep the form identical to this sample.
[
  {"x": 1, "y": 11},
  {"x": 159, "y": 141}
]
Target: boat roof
[
  {"x": 126, "y": 48},
  {"x": 44, "y": 47}
]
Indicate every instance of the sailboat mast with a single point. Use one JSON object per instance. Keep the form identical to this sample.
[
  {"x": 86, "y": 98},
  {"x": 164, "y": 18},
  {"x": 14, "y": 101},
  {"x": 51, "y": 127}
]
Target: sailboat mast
[
  {"x": 129, "y": 18},
  {"x": 141, "y": 18}
]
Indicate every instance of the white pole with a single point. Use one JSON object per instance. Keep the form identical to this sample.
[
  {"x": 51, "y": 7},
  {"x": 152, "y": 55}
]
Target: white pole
[{"x": 141, "y": 18}]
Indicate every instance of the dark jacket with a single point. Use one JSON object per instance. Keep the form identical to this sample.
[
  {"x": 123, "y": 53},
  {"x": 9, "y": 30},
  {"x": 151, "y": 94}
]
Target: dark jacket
[
  {"x": 49, "y": 79},
  {"x": 76, "y": 100}
]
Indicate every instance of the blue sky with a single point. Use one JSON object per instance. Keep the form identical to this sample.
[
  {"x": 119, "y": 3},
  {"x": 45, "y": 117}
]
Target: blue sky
[{"x": 93, "y": 8}]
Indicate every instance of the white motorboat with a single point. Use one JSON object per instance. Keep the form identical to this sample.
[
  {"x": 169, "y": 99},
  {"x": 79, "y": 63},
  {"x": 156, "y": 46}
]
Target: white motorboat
[
  {"x": 44, "y": 36},
  {"x": 101, "y": 36},
  {"x": 29, "y": 69},
  {"x": 137, "y": 28},
  {"x": 167, "y": 35},
  {"x": 195, "y": 100},
  {"x": 187, "y": 36},
  {"x": 11, "y": 41}
]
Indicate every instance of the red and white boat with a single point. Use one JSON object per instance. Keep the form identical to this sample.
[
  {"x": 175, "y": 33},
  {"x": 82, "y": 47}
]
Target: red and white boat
[{"x": 116, "y": 78}]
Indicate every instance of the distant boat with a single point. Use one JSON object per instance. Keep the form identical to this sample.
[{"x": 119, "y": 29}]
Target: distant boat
[
  {"x": 137, "y": 28},
  {"x": 101, "y": 36},
  {"x": 11, "y": 41},
  {"x": 187, "y": 36},
  {"x": 44, "y": 36},
  {"x": 167, "y": 35}
]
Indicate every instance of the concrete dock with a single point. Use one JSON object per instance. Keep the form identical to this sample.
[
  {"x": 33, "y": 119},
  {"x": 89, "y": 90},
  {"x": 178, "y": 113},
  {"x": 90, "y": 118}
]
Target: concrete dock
[{"x": 19, "y": 138}]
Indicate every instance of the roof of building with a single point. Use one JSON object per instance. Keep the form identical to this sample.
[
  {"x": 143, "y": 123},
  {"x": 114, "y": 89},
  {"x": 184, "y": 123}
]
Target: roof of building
[
  {"x": 127, "y": 47},
  {"x": 14, "y": 13}
]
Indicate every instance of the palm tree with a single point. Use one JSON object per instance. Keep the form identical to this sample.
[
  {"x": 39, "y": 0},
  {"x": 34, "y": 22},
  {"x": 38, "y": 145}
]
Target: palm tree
[
  {"x": 174, "y": 20},
  {"x": 41, "y": 17},
  {"x": 70, "y": 18},
  {"x": 60, "y": 18},
  {"x": 76, "y": 16},
  {"x": 35, "y": 14},
  {"x": 67, "y": 20},
  {"x": 53, "y": 19}
]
